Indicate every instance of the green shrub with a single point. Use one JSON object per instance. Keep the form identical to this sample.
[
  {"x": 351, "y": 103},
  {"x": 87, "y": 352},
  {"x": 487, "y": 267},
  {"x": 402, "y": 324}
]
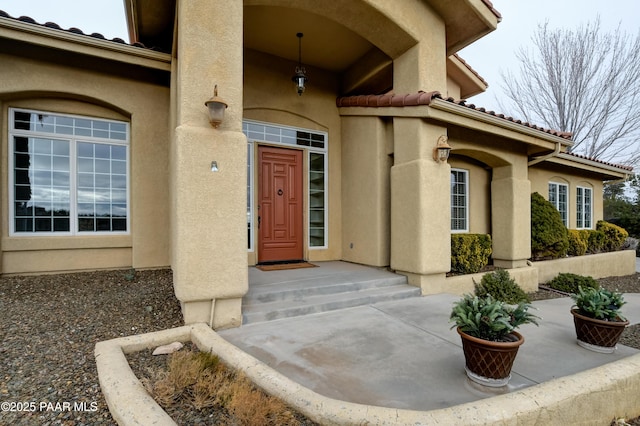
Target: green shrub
[
  {"x": 614, "y": 236},
  {"x": 569, "y": 283},
  {"x": 470, "y": 252},
  {"x": 578, "y": 241},
  {"x": 595, "y": 241},
  {"x": 548, "y": 234},
  {"x": 501, "y": 286}
]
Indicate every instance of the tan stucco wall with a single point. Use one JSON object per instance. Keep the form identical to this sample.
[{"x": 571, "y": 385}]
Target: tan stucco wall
[
  {"x": 540, "y": 176},
  {"x": 61, "y": 89},
  {"x": 366, "y": 190},
  {"x": 601, "y": 265}
]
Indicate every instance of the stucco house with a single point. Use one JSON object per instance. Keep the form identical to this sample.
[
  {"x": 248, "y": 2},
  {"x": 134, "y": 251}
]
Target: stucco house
[{"x": 109, "y": 159}]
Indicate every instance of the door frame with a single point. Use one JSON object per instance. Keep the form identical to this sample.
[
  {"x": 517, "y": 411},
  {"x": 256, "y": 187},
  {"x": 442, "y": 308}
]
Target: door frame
[
  {"x": 301, "y": 205},
  {"x": 257, "y": 132}
]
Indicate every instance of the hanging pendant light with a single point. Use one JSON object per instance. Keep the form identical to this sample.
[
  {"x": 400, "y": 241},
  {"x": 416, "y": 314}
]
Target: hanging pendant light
[{"x": 300, "y": 77}]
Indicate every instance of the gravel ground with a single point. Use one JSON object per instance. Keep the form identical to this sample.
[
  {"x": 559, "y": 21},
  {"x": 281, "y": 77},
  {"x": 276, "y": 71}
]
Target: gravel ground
[{"x": 51, "y": 323}]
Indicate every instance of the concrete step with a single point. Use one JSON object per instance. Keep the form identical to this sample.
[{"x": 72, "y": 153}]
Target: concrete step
[
  {"x": 320, "y": 301},
  {"x": 317, "y": 286}
]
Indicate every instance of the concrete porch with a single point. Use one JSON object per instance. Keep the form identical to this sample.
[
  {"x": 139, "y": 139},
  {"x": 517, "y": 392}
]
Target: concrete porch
[{"x": 326, "y": 287}]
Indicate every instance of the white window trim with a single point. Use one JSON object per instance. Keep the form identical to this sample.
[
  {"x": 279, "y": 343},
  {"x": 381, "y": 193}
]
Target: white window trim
[
  {"x": 556, "y": 204},
  {"x": 466, "y": 197},
  {"x": 584, "y": 189},
  {"x": 250, "y": 172},
  {"x": 308, "y": 150},
  {"x": 326, "y": 203},
  {"x": 73, "y": 140}
]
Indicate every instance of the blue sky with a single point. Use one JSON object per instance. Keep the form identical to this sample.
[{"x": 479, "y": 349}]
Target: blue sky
[{"x": 489, "y": 56}]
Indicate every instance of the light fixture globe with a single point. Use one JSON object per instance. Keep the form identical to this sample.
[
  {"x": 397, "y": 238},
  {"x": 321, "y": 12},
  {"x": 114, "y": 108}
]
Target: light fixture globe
[
  {"x": 300, "y": 77},
  {"x": 216, "y": 106},
  {"x": 442, "y": 150}
]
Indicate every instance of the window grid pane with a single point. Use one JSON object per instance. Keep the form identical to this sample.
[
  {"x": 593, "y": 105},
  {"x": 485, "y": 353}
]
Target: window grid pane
[
  {"x": 583, "y": 207},
  {"x": 459, "y": 200},
  {"x": 40, "y": 190},
  {"x": 42, "y": 180},
  {"x": 317, "y": 226},
  {"x": 558, "y": 196}
]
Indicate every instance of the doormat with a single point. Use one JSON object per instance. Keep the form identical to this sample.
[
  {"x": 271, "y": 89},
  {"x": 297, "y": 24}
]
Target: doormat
[{"x": 285, "y": 266}]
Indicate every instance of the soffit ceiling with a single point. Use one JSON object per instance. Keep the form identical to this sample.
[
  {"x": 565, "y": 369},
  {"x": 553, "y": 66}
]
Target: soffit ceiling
[{"x": 326, "y": 44}]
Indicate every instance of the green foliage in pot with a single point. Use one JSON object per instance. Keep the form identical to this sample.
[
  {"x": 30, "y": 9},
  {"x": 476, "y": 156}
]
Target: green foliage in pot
[
  {"x": 489, "y": 319},
  {"x": 501, "y": 286},
  {"x": 599, "y": 303}
]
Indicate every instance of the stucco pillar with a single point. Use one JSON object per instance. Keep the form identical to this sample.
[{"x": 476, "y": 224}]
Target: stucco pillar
[
  {"x": 511, "y": 216},
  {"x": 420, "y": 206},
  {"x": 423, "y": 67},
  {"x": 209, "y": 229}
]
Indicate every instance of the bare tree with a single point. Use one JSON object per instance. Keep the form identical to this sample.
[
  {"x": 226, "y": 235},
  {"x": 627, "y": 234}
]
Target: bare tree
[{"x": 582, "y": 81}]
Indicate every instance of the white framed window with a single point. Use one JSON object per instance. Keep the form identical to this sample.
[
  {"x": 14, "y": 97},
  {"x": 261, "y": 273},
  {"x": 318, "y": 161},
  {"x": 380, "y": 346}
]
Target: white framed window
[
  {"x": 459, "y": 200},
  {"x": 250, "y": 197},
  {"x": 68, "y": 174},
  {"x": 559, "y": 197},
  {"x": 584, "y": 207},
  {"x": 316, "y": 145}
]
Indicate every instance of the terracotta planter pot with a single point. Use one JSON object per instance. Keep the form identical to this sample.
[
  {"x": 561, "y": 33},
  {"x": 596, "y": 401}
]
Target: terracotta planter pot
[
  {"x": 489, "y": 363},
  {"x": 597, "y": 335}
]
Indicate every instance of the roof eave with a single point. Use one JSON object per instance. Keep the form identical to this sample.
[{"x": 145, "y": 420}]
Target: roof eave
[
  {"x": 500, "y": 122},
  {"x": 609, "y": 172},
  {"x": 79, "y": 43}
]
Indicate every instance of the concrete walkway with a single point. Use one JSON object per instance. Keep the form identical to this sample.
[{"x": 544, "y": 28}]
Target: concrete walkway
[{"x": 403, "y": 354}]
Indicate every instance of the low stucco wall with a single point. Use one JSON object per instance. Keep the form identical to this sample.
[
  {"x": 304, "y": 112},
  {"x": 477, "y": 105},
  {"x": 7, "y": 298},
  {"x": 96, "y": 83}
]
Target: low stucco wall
[
  {"x": 615, "y": 264},
  {"x": 591, "y": 397}
]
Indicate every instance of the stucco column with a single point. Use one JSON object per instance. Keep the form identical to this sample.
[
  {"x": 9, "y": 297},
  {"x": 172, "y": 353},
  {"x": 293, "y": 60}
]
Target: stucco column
[
  {"x": 420, "y": 206},
  {"x": 511, "y": 216},
  {"x": 208, "y": 217},
  {"x": 423, "y": 66}
]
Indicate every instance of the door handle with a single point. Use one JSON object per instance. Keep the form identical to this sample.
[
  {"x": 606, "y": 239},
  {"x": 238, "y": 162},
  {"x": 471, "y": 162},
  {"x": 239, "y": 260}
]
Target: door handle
[{"x": 259, "y": 218}]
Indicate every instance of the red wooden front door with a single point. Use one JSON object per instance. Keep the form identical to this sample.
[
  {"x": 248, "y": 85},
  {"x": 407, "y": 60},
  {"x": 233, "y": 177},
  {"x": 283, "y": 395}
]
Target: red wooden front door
[{"x": 279, "y": 204}]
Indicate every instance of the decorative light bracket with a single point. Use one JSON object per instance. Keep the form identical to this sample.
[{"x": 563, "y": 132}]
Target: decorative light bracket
[
  {"x": 442, "y": 150},
  {"x": 300, "y": 77},
  {"x": 216, "y": 107}
]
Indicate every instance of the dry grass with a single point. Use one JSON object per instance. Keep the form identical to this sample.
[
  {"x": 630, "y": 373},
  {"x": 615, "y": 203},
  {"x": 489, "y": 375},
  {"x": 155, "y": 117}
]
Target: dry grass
[{"x": 200, "y": 380}]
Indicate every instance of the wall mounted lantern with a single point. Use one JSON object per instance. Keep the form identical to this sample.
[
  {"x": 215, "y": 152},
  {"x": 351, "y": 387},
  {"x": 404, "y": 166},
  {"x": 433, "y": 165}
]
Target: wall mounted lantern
[
  {"x": 442, "y": 150},
  {"x": 216, "y": 108},
  {"x": 300, "y": 77}
]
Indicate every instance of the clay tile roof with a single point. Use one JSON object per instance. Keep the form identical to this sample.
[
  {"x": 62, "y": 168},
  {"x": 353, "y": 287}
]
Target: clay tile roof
[
  {"x": 425, "y": 98},
  {"x": 492, "y": 9},
  {"x": 388, "y": 100},
  {"x": 606, "y": 163},
  {"x": 474, "y": 72},
  {"x": 73, "y": 30}
]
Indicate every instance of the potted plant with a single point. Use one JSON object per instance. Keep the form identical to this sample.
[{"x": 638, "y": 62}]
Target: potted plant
[
  {"x": 597, "y": 318},
  {"x": 489, "y": 340}
]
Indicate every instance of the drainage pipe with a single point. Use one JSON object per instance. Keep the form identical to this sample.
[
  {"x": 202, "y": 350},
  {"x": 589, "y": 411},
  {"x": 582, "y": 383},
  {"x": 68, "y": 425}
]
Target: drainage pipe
[{"x": 545, "y": 157}]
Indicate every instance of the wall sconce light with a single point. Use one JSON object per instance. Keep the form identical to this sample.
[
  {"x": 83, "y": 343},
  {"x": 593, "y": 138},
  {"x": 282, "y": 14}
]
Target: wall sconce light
[
  {"x": 300, "y": 77},
  {"x": 216, "y": 108},
  {"x": 442, "y": 150}
]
